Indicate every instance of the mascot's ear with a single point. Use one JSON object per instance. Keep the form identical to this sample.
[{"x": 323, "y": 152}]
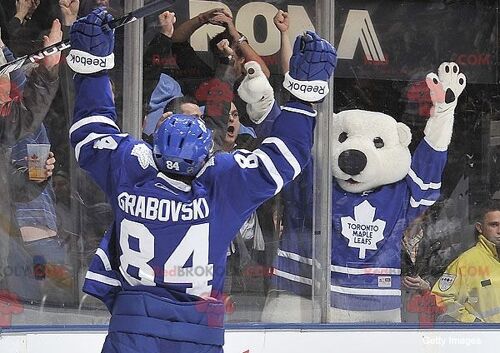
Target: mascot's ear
[{"x": 404, "y": 133}]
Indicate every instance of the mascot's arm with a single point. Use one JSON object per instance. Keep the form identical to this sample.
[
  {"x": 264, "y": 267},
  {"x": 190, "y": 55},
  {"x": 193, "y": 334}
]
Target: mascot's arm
[
  {"x": 445, "y": 88},
  {"x": 429, "y": 159},
  {"x": 424, "y": 178}
]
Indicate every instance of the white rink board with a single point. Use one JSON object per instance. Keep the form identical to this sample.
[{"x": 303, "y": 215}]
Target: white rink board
[{"x": 283, "y": 341}]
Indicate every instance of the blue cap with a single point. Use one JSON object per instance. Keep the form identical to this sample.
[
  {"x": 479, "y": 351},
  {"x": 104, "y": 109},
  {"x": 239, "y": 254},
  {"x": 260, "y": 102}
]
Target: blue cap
[
  {"x": 245, "y": 130},
  {"x": 166, "y": 90}
]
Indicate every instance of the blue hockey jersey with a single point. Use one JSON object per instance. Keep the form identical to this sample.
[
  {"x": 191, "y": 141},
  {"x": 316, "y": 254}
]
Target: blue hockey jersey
[
  {"x": 169, "y": 239},
  {"x": 367, "y": 231}
]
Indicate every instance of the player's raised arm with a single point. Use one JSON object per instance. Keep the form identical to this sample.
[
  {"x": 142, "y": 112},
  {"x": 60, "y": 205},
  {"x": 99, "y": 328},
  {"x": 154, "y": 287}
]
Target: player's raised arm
[
  {"x": 281, "y": 157},
  {"x": 91, "y": 55},
  {"x": 94, "y": 133}
]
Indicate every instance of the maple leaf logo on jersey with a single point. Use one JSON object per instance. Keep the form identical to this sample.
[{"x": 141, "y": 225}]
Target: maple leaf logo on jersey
[
  {"x": 144, "y": 156},
  {"x": 363, "y": 231}
]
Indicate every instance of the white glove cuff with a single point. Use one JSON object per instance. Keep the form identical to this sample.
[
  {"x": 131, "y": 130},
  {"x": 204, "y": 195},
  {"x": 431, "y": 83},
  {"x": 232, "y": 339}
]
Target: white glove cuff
[
  {"x": 309, "y": 91},
  {"x": 258, "y": 112},
  {"x": 85, "y": 63}
]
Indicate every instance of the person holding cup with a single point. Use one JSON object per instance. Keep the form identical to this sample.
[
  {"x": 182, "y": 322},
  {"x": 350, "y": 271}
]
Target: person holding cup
[{"x": 20, "y": 116}]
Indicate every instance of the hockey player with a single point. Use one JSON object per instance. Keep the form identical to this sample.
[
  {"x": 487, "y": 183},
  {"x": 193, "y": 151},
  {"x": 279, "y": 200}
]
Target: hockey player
[{"x": 160, "y": 269}]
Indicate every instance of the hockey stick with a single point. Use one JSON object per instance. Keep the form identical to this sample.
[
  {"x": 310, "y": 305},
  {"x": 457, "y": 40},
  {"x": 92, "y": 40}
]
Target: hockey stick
[{"x": 65, "y": 44}]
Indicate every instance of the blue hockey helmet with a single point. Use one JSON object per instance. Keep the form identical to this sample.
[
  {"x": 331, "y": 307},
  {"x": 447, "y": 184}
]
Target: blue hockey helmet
[{"x": 182, "y": 144}]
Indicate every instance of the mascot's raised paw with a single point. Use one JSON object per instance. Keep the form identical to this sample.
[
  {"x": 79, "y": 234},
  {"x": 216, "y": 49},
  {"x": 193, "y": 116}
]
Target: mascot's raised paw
[{"x": 445, "y": 87}]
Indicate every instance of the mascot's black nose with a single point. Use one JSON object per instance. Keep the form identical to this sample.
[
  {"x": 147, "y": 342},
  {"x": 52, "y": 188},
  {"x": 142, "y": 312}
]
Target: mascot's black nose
[
  {"x": 352, "y": 162},
  {"x": 449, "y": 97}
]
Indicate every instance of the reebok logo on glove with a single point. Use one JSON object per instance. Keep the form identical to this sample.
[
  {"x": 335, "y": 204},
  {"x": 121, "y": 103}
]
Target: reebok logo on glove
[
  {"x": 85, "y": 63},
  {"x": 76, "y": 59},
  {"x": 304, "y": 88},
  {"x": 312, "y": 64},
  {"x": 309, "y": 91}
]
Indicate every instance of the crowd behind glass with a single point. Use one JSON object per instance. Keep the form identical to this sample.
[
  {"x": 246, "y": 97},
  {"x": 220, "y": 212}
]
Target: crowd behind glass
[{"x": 47, "y": 239}]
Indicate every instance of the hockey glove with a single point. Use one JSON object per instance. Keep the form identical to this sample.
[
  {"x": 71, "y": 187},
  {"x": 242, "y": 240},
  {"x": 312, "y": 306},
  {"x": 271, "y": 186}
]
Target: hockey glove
[
  {"x": 91, "y": 45},
  {"x": 311, "y": 66}
]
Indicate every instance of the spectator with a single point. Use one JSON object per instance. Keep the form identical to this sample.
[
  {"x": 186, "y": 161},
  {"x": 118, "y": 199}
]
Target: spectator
[
  {"x": 36, "y": 222},
  {"x": 3, "y": 23},
  {"x": 183, "y": 105},
  {"x": 22, "y": 116},
  {"x": 16, "y": 179},
  {"x": 35, "y": 215},
  {"x": 166, "y": 90},
  {"x": 167, "y": 99},
  {"x": 191, "y": 66},
  {"x": 26, "y": 24},
  {"x": 216, "y": 88},
  {"x": 157, "y": 51},
  {"x": 282, "y": 23},
  {"x": 19, "y": 117},
  {"x": 60, "y": 109},
  {"x": 86, "y": 6},
  {"x": 27, "y": 35},
  {"x": 425, "y": 256},
  {"x": 469, "y": 289},
  {"x": 233, "y": 129},
  {"x": 411, "y": 244},
  {"x": 68, "y": 13},
  {"x": 19, "y": 150},
  {"x": 252, "y": 252}
]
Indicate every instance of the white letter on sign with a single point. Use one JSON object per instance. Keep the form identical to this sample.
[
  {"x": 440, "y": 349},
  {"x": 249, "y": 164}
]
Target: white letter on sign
[
  {"x": 244, "y": 23},
  {"x": 200, "y": 38},
  {"x": 299, "y": 22},
  {"x": 359, "y": 28}
]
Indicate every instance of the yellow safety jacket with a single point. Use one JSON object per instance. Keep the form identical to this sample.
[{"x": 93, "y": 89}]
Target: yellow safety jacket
[{"x": 469, "y": 290}]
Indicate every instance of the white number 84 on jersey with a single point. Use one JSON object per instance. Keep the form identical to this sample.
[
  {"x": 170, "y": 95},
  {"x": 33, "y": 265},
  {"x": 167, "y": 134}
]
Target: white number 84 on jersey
[{"x": 193, "y": 245}]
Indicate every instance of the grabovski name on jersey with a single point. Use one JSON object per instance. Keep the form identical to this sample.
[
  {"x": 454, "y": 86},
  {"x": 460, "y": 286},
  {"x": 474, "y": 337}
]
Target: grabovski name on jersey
[{"x": 163, "y": 210}]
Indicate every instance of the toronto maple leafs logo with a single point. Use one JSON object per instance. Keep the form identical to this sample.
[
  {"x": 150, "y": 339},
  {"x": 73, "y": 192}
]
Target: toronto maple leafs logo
[
  {"x": 144, "y": 156},
  {"x": 363, "y": 231}
]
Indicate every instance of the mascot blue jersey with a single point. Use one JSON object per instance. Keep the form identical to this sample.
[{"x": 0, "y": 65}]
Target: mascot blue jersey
[
  {"x": 169, "y": 239},
  {"x": 367, "y": 234}
]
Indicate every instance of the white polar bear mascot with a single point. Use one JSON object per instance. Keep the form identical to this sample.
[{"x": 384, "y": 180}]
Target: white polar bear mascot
[{"x": 379, "y": 188}]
